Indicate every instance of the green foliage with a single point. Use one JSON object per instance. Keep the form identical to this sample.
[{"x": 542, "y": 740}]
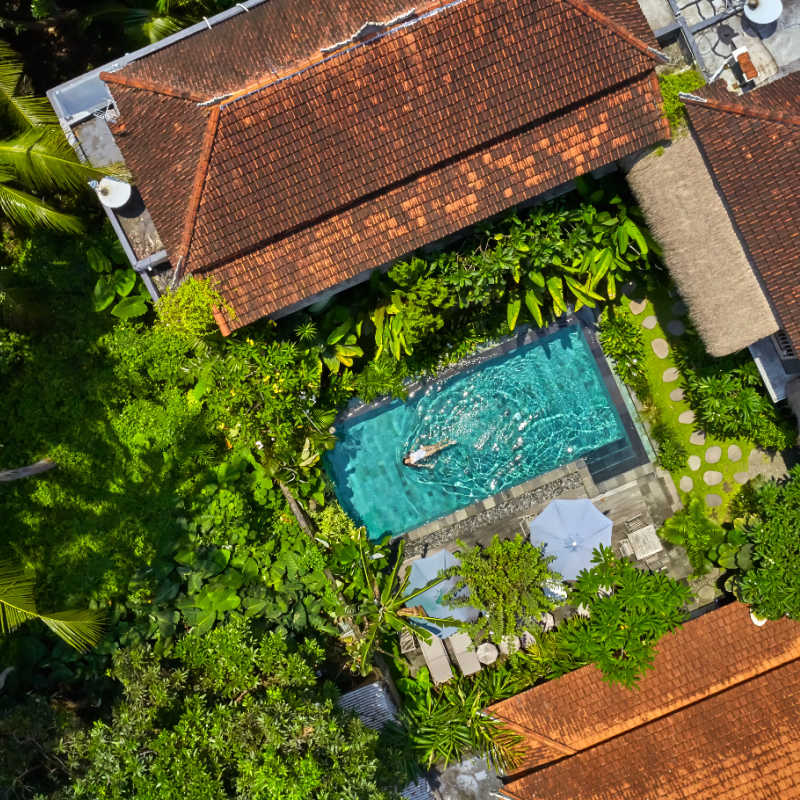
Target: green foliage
[
  {"x": 79, "y": 629},
  {"x": 116, "y": 279},
  {"x": 504, "y": 580},
  {"x": 622, "y": 341},
  {"x": 629, "y": 611},
  {"x": 445, "y": 725},
  {"x": 671, "y": 452},
  {"x": 693, "y": 530},
  {"x": 186, "y": 311},
  {"x": 379, "y": 602},
  {"x": 34, "y": 155},
  {"x": 764, "y": 549},
  {"x": 14, "y": 350},
  {"x": 728, "y": 396},
  {"x": 672, "y": 84},
  {"x": 232, "y": 715}
]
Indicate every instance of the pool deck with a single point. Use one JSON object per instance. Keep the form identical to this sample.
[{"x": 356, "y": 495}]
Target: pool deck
[{"x": 633, "y": 500}]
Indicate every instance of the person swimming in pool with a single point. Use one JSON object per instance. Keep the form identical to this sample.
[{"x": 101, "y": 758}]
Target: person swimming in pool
[{"x": 425, "y": 451}]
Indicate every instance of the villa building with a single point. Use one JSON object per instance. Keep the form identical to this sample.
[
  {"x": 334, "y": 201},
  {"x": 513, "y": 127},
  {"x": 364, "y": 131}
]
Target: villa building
[
  {"x": 717, "y": 717},
  {"x": 725, "y": 204},
  {"x": 288, "y": 149}
]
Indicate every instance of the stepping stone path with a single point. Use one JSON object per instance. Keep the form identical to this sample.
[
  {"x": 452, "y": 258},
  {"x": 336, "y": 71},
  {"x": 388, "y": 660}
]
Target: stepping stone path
[
  {"x": 698, "y": 438},
  {"x": 670, "y": 375},
  {"x": 713, "y": 500},
  {"x": 679, "y": 309},
  {"x": 713, "y": 454},
  {"x": 637, "y": 306},
  {"x": 694, "y": 463},
  {"x": 734, "y": 452},
  {"x": 649, "y": 322},
  {"x": 686, "y": 418},
  {"x": 741, "y": 477},
  {"x": 676, "y": 327},
  {"x": 676, "y": 395},
  {"x": 660, "y": 347},
  {"x": 712, "y": 477},
  {"x": 686, "y": 484}
]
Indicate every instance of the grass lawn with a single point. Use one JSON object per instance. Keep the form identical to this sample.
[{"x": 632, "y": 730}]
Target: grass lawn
[{"x": 660, "y": 304}]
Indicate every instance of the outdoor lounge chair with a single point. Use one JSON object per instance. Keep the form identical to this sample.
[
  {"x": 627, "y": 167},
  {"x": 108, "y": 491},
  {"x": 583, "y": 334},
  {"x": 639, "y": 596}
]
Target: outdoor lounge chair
[
  {"x": 436, "y": 660},
  {"x": 460, "y": 647}
]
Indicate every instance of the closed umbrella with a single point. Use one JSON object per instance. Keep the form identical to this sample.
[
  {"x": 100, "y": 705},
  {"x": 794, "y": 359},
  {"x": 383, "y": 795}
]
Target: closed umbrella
[
  {"x": 570, "y": 530},
  {"x": 423, "y": 571}
]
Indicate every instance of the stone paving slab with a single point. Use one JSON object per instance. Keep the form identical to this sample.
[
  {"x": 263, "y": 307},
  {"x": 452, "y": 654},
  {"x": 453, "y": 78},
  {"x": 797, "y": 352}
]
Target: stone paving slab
[
  {"x": 637, "y": 306},
  {"x": 698, "y": 438},
  {"x": 741, "y": 477},
  {"x": 713, "y": 454},
  {"x": 670, "y": 375},
  {"x": 686, "y": 418},
  {"x": 712, "y": 477},
  {"x": 676, "y": 327},
  {"x": 649, "y": 322},
  {"x": 713, "y": 500},
  {"x": 676, "y": 395},
  {"x": 686, "y": 484},
  {"x": 660, "y": 347},
  {"x": 734, "y": 452},
  {"x": 694, "y": 463}
]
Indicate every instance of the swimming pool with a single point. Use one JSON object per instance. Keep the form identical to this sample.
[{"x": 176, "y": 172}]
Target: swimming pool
[{"x": 512, "y": 417}]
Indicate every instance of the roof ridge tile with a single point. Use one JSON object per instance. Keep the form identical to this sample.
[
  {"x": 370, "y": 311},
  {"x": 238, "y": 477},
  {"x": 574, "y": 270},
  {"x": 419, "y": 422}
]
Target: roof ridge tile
[
  {"x": 742, "y": 109},
  {"x": 199, "y": 182},
  {"x": 149, "y": 86},
  {"x": 621, "y": 31}
]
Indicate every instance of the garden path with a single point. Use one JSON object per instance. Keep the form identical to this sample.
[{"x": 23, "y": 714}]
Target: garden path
[{"x": 714, "y": 467}]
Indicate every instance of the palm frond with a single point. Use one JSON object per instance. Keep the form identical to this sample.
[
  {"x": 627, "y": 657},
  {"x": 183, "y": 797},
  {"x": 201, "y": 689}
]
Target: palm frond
[
  {"x": 42, "y": 159},
  {"x": 28, "y": 210},
  {"x": 80, "y": 629},
  {"x": 25, "y": 110}
]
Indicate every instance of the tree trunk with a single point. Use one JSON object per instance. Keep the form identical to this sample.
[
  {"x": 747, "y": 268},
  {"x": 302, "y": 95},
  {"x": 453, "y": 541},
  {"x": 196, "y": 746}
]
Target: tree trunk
[{"x": 44, "y": 465}]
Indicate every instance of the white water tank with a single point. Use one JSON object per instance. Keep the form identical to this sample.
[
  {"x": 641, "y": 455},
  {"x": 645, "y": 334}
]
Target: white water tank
[{"x": 113, "y": 193}]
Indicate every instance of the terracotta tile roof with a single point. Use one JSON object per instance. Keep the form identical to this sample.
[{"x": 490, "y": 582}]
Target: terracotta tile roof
[
  {"x": 316, "y": 178},
  {"x": 717, "y": 686},
  {"x": 752, "y": 146},
  {"x": 264, "y": 40}
]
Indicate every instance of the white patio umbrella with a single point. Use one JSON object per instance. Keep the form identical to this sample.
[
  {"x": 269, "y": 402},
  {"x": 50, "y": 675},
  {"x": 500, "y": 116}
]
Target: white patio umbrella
[
  {"x": 570, "y": 530},
  {"x": 423, "y": 571}
]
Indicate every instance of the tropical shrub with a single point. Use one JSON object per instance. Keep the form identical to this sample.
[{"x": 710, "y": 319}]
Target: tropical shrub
[
  {"x": 504, "y": 580},
  {"x": 728, "y": 397},
  {"x": 671, "y": 85},
  {"x": 629, "y": 611},
  {"x": 623, "y": 342},
  {"x": 444, "y": 725},
  {"x": 693, "y": 530},
  {"x": 671, "y": 452},
  {"x": 764, "y": 550},
  {"x": 233, "y": 714}
]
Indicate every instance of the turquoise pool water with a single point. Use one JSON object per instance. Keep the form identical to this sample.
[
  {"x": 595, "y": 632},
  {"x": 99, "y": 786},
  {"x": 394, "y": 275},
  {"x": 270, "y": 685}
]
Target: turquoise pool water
[{"x": 513, "y": 417}]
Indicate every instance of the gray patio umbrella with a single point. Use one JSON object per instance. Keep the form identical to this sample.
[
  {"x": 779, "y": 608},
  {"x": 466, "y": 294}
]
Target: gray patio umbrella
[
  {"x": 570, "y": 530},
  {"x": 423, "y": 571}
]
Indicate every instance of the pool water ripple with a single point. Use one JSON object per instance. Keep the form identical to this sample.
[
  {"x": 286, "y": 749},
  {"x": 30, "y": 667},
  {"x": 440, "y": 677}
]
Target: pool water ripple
[{"x": 512, "y": 418}]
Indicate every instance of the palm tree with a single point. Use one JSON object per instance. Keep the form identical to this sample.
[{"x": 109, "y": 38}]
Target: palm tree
[
  {"x": 384, "y": 607},
  {"x": 35, "y": 158},
  {"x": 79, "y": 629}
]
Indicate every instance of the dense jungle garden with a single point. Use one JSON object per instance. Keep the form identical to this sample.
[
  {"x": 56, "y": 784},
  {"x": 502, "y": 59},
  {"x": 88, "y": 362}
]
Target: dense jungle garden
[{"x": 181, "y": 598}]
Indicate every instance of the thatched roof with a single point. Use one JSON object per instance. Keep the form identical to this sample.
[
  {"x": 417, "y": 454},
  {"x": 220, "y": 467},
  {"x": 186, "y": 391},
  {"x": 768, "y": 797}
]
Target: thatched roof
[{"x": 701, "y": 248}]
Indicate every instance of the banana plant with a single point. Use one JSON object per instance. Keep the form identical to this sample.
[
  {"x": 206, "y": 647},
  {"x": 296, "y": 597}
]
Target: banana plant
[{"x": 389, "y": 322}]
